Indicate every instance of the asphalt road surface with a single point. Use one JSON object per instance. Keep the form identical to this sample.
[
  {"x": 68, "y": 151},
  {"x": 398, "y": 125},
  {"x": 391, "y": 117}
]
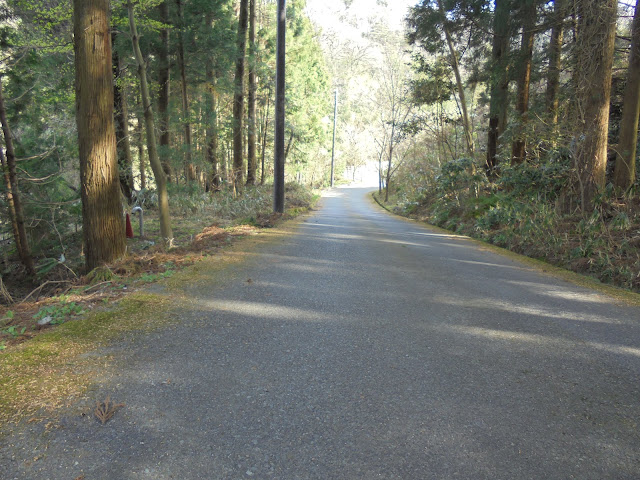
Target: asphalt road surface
[{"x": 364, "y": 347}]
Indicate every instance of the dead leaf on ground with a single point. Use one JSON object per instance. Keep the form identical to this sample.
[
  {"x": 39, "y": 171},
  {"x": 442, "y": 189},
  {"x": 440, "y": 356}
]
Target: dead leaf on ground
[{"x": 105, "y": 410}]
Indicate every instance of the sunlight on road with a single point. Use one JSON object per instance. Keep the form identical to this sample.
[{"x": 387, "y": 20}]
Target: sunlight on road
[
  {"x": 542, "y": 340},
  {"x": 530, "y": 310},
  {"x": 331, "y": 193},
  {"x": 553, "y": 291},
  {"x": 261, "y": 310},
  {"x": 487, "y": 264}
]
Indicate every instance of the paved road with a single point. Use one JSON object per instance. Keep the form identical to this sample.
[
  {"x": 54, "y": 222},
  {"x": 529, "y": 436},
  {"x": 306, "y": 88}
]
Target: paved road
[{"x": 368, "y": 347}]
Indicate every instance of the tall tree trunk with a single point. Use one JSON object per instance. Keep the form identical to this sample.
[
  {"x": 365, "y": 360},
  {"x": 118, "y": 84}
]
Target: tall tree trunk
[
  {"x": 555, "y": 62},
  {"x": 380, "y": 155},
  {"x": 212, "y": 116},
  {"x": 264, "y": 138},
  {"x": 123, "y": 144},
  {"x": 142, "y": 163},
  {"x": 624, "y": 174},
  {"x": 528, "y": 15},
  {"x": 154, "y": 159},
  {"x": 140, "y": 142},
  {"x": 468, "y": 134},
  {"x": 238, "y": 97},
  {"x": 289, "y": 145},
  {"x": 103, "y": 226},
  {"x": 163, "y": 94},
  {"x": 251, "y": 140},
  {"x": 380, "y": 174},
  {"x": 594, "y": 60},
  {"x": 223, "y": 164},
  {"x": 391, "y": 145},
  {"x": 499, "y": 80},
  {"x": 11, "y": 206},
  {"x": 190, "y": 169},
  {"x": 212, "y": 146}
]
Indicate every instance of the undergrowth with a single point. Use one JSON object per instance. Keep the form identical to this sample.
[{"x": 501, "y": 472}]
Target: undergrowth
[
  {"x": 203, "y": 223},
  {"x": 44, "y": 337},
  {"x": 525, "y": 210}
]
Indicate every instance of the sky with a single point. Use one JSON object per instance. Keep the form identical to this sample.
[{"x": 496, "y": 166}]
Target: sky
[{"x": 332, "y": 14}]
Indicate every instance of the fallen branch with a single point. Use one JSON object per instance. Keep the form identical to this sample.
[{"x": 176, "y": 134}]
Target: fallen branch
[
  {"x": 39, "y": 289},
  {"x": 96, "y": 285}
]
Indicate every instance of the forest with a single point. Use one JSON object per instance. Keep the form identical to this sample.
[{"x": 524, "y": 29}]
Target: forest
[
  {"x": 155, "y": 108},
  {"x": 514, "y": 121},
  {"x": 523, "y": 129}
]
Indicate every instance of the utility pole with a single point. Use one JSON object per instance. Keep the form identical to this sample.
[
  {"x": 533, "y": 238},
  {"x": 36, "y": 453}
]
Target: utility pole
[
  {"x": 333, "y": 146},
  {"x": 278, "y": 164}
]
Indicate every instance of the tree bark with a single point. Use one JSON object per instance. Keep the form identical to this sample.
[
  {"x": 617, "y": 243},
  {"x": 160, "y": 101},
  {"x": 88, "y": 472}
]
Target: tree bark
[
  {"x": 468, "y": 134},
  {"x": 264, "y": 139},
  {"x": 555, "y": 61},
  {"x": 212, "y": 119},
  {"x": 624, "y": 174},
  {"x": 140, "y": 141},
  {"x": 391, "y": 145},
  {"x": 238, "y": 97},
  {"x": 289, "y": 145},
  {"x": 528, "y": 14},
  {"x": 190, "y": 169},
  {"x": 163, "y": 94},
  {"x": 223, "y": 162},
  {"x": 103, "y": 226},
  {"x": 251, "y": 140},
  {"x": 594, "y": 60},
  {"x": 499, "y": 80},
  {"x": 123, "y": 144},
  {"x": 11, "y": 206},
  {"x": 154, "y": 159},
  {"x": 16, "y": 214},
  {"x": 280, "y": 114}
]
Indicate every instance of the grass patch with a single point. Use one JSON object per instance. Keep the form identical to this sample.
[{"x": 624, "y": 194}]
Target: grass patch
[
  {"x": 45, "y": 373},
  {"x": 45, "y": 369}
]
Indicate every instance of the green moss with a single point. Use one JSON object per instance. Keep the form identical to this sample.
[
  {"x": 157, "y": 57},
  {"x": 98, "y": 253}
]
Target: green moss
[{"x": 46, "y": 372}]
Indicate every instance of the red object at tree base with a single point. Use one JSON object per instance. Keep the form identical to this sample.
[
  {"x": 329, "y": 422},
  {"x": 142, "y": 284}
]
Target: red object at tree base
[{"x": 129, "y": 228}]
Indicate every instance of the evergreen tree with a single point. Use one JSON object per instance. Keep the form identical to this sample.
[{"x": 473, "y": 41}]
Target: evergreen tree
[
  {"x": 238, "y": 98},
  {"x": 625, "y": 166},
  {"x": 158, "y": 173},
  {"x": 103, "y": 226},
  {"x": 594, "y": 61}
]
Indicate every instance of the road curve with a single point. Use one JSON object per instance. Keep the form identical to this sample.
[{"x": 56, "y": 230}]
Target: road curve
[{"x": 366, "y": 346}]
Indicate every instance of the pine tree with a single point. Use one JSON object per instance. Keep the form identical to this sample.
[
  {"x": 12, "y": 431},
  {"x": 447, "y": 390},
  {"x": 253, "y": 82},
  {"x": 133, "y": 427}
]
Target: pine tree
[
  {"x": 103, "y": 226},
  {"x": 499, "y": 79},
  {"x": 625, "y": 167},
  {"x": 238, "y": 97},
  {"x": 13, "y": 192},
  {"x": 524, "y": 62},
  {"x": 251, "y": 137},
  {"x": 158, "y": 173},
  {"x": 594, "y": 61}
]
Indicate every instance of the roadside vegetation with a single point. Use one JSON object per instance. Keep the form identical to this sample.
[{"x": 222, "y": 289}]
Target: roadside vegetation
[
  {"x": 524, "y": 130},
  {"x": 43, "y": 366},
  {"x": 64, "y": 294},
  {"x": 520, "y": 212},
  {"x": 161, "y": 120}
]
